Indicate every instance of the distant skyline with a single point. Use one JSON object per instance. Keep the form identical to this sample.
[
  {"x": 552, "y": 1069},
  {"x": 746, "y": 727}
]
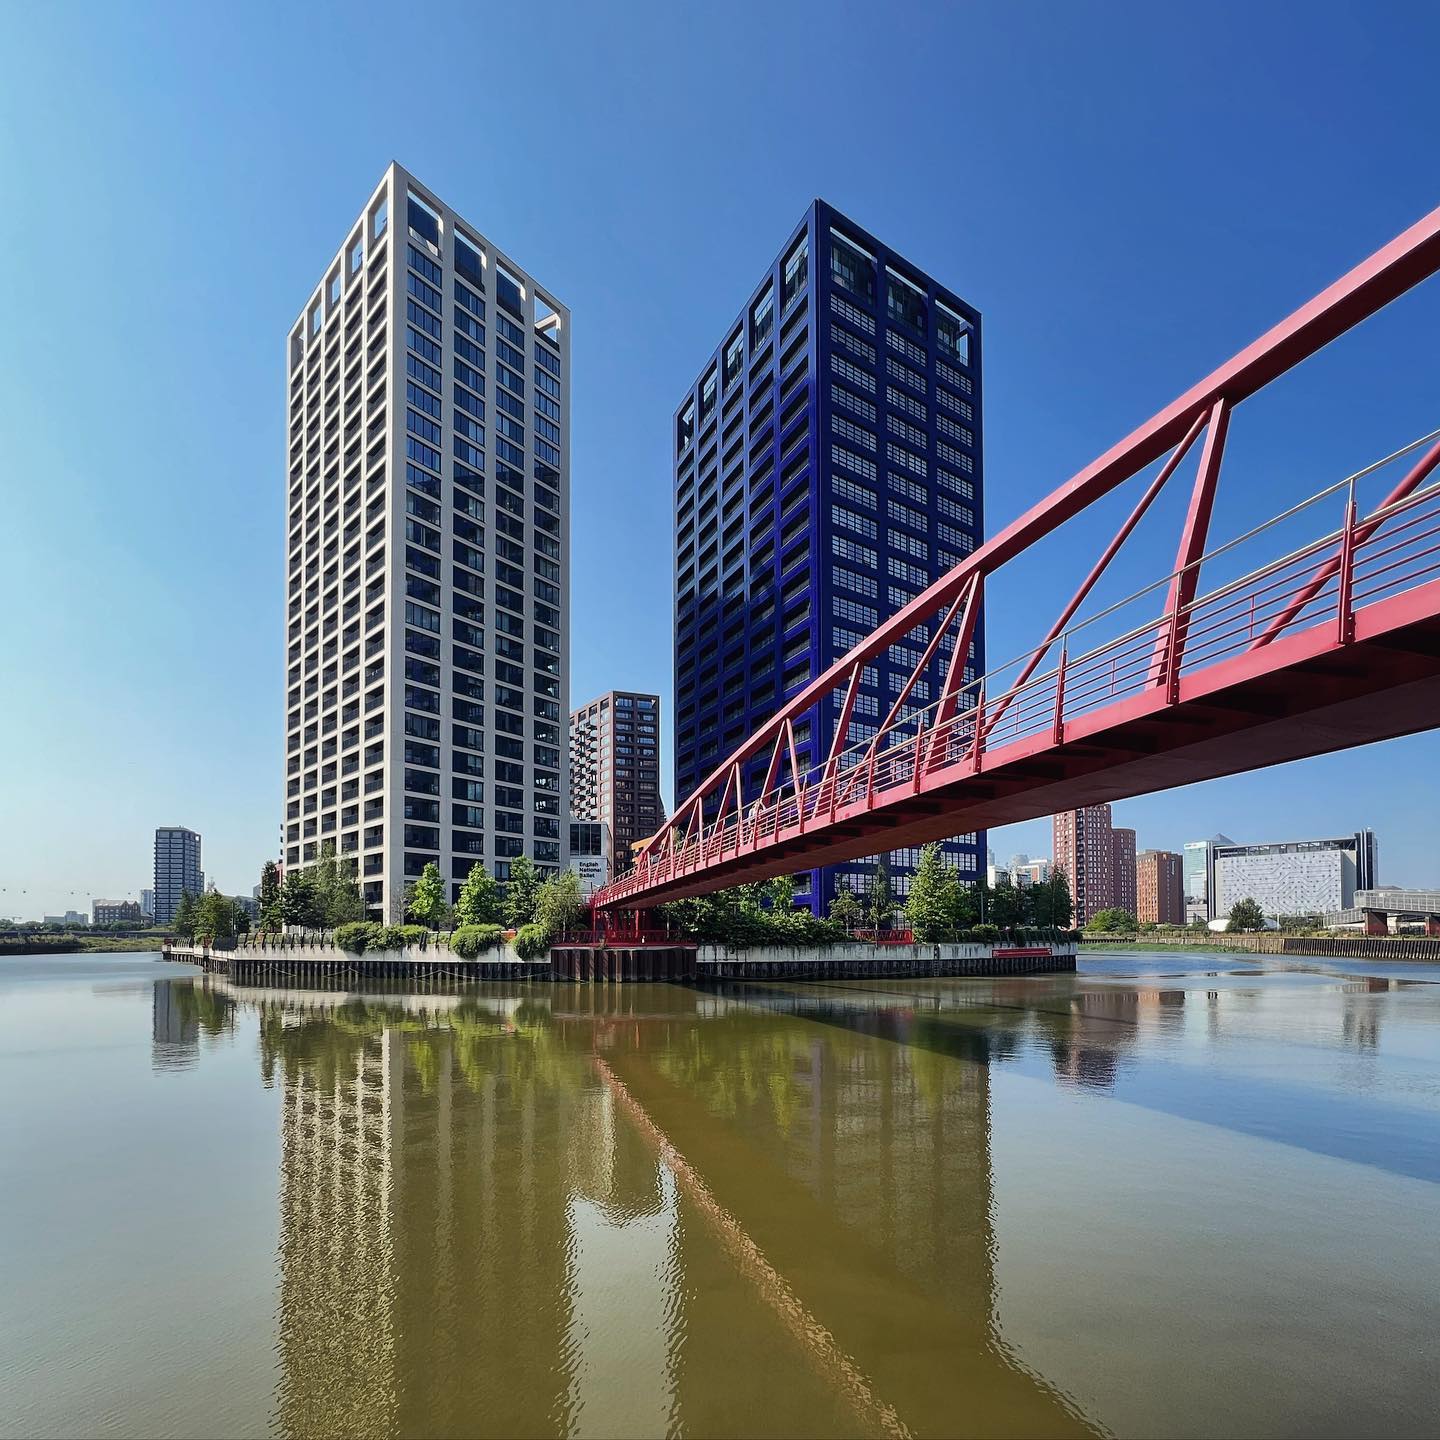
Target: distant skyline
[{"x": 1128, "y": 197}]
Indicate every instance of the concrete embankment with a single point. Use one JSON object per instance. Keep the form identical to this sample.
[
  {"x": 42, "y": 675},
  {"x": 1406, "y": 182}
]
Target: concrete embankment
[
  {"x": 1269, "y": 942},
  {"x": 322, "y": 964}
]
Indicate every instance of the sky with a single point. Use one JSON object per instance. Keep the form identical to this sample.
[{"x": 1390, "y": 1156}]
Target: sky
[{"x": 1128, "y": 194}]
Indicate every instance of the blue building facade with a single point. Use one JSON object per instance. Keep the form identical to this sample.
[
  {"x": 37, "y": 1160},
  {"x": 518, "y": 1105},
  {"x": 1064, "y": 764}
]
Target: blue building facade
[{"x": 828, "y": 467}]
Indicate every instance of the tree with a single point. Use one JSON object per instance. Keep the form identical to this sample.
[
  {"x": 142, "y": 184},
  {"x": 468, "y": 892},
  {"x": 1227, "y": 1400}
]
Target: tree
[
  {"x": 337, "y": 888},
  {"x": 1005, "y": 904},
  {"x": 967, "y": 905},
  {"x": 845, "y": 909},
  {"x": 931, "y": 904},
  {"x": 882, "y": 897},
  {"x": 1112, "y": 921},
  {"x": 299, "y": 904},
  {"x": 1049, "y": 901},
  {"x": 780, "y": 892},
  {"x": 184, "y": 921},
  {"x": 479, "y": 902},
  {"x": 522, "y": 893},
  {"x": 558, "y": 906},
  {"x": 214, "y": 916},
  {"x": 269, "y": 896},
  {"x": 1246, "y": 914},
  {"x": 427, "y": 901}
]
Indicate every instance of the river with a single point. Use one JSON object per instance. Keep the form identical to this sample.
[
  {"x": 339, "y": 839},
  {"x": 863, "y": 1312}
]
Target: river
[{"x": 1172, "y": 1195}]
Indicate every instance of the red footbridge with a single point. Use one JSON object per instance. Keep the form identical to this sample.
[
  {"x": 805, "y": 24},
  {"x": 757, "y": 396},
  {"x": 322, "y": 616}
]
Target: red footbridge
[{"x": 1325, "y": 635}]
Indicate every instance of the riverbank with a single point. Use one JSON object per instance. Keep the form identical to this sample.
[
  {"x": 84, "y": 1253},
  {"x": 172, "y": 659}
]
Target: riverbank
[
  {"x": 1419, "y": 948},
  {"x": 322, "y": 964},
  {"x": 77, "y": 944}
]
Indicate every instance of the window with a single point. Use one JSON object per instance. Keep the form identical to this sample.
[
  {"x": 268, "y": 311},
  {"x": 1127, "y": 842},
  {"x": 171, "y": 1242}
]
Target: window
[
  {"x": 762, "y": 319},
  {"x": 860, "y": 349},
  {"x": 470, "y": 262},
  {"x": 734, "y": 358},
  {"x": 852, "y": 268},
  {"x": 848, "y": 549},
  {"x": 863, "y": 584},
  {"x": 847, "y": 430},
  {"x": 852, "y": 315},
  {"x": 853, "y": 610},
  {"x": 862, "y": 524},
  {"x": 952, "y": 334},
  {"x": 839, "y": 395},
  {"x": 422, "y": 220},
  {"x": 898, "y": 455},
  {"x": 707, "y": 397},
  {"x": 906, "y": 431},
  {"x": 853, "y": 374},
  {"x": 381, "y": 218},
  {"x": 685, "y": 429},
  {"x": 357, "y": 255},
  {"x": 904, "y": 302},
  {"x": 797, "y": 270},
  {"x": 848, "y": 489},
  {"x": 509, "y": 292},
  {"x": 840, "y": 455}
]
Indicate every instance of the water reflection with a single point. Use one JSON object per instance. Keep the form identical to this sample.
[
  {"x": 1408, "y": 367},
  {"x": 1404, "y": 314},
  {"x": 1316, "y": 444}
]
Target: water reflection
[
  {"x": 581, "y": 1211},
  {"x": 180, "y": 1011},
  {"x": 774, "y": 1210}
]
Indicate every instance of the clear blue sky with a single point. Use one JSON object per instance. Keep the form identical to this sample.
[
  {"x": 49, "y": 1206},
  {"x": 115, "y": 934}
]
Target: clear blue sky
[{"x": 1127, "y": 193}]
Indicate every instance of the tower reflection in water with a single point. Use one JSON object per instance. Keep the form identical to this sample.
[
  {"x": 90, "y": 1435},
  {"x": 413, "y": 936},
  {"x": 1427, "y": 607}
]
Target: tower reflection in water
[{"x": 641, "y": 1211}]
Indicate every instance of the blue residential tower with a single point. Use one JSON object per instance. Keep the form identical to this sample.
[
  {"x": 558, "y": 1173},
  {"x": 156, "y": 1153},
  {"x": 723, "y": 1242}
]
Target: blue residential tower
[{"x": 827, "y": 469}]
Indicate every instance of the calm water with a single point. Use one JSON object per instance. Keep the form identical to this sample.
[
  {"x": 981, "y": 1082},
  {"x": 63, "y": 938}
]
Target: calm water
[{"x": 1174, "y": 1195}]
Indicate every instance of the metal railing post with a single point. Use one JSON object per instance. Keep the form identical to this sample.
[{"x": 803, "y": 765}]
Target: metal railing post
[{"x": 1345, "y": 616}]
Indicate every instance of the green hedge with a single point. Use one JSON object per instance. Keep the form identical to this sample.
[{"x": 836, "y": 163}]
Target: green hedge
[
  {"x": 531, "y": 941},
  {"x": 470, "y": 940},
  {"x": 354, "y": 938}
]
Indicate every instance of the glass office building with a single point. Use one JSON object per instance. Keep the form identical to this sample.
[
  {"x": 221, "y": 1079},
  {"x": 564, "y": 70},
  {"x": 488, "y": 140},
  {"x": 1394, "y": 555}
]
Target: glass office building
[{"x": 827, "y": 469}]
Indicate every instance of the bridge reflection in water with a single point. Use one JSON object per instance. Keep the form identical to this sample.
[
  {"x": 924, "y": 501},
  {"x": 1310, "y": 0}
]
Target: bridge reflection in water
[{"x": 645, "y": 1211}]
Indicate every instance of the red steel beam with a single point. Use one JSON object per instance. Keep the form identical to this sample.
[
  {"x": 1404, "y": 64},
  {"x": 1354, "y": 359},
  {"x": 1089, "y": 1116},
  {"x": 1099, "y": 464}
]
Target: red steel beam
[
  {"x": 1183, "y": 582},
  {"x": 1111, "y": 550},
  {"x": 1408, "y": 259}
]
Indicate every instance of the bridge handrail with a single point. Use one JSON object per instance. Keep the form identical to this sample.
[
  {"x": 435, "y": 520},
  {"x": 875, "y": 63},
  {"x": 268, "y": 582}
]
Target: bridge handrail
[{"x": 1213, "y": 633}]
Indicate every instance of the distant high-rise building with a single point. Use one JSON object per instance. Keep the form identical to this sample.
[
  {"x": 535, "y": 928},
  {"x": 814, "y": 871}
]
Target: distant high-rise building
[
  {"x": 147, "y": 903},
  {"x": 427, "y": 550},
  {"x": 112, "y": 912},
  {"x": 1159, "y": 888},
  {"x": 1199, "y": 881},
  {"x": 1030, "y": 872},
  {"x": 591, "y": 857},
  {"x": 177, "y": 869},
  {"x": 1296, "y": 877},
  {"x": 1122, "y": 852},
  {"x": 615, "y": 768},
  {"x": 827, "y": 470},
  {"x": 1084, "y": 850}
]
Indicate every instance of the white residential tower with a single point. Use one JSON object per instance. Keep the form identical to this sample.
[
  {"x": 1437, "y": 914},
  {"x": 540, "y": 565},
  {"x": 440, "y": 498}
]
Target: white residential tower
[{"x": 427, "y": 554}]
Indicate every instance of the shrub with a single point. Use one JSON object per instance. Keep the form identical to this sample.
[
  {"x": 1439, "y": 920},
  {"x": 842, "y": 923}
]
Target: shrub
[
  {"x": 985, "y": 934},
  {"x": 469, "y": 940},
  {"x": 387, "y": 937},
  {"x": 354, "y": 937},
  {"x": 531, "y": 941},
  {"x": 415, "y": 935}
]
